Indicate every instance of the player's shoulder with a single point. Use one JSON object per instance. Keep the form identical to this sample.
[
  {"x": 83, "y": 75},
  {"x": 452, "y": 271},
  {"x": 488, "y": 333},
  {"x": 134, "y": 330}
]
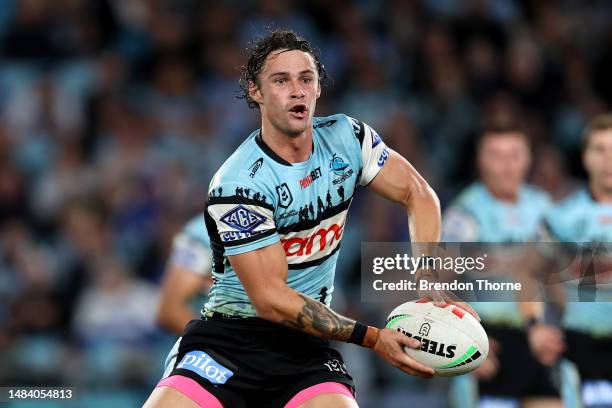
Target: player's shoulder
[
  {"x": 196, "y": 229},
  {"x": 564, "y": 217},
  {"x": 471, "y": 198},
  {"x": 334, "y": 121},
  {"x": 535, "y": 196},
  {"x": 244, "y": 172},
  {"x": 238, "y": 163},
  {"x": 341, "y": 126},
  {"x": 330, "y": 122},
  {"x": 576, "y": 202}
]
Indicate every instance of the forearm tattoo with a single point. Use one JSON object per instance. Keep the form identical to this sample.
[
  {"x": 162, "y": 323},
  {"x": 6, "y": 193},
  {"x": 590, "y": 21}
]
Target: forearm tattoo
[{"x": 318, "y": 319}]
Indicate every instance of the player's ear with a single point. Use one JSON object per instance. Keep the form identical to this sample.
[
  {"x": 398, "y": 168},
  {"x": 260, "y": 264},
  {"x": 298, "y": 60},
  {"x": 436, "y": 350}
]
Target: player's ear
[
  {"x": 318, "y": 89},
  {"x": 255, "y": 92}
]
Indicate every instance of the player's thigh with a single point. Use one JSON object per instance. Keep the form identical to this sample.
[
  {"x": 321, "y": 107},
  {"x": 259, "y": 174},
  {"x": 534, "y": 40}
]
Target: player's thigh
[
  {"x": 330, "y": 400},
  {"x": 166, "y": 397}
]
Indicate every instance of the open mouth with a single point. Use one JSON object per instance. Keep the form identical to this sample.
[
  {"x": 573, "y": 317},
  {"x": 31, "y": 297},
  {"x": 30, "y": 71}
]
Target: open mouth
[{"x": 299, "y": 110}]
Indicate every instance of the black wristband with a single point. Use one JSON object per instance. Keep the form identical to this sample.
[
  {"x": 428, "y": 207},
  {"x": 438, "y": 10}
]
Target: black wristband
[{"x": 358, "y": 334}]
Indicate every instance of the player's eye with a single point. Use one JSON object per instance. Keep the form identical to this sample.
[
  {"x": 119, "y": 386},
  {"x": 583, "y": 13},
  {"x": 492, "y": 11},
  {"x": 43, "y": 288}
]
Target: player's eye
[
  {"x": 307, "y": 80},
  {"x": 280, "y": 81}
]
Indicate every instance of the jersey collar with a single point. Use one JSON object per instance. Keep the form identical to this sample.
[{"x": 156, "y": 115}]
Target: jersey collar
[{"x": 266, "y": 149}]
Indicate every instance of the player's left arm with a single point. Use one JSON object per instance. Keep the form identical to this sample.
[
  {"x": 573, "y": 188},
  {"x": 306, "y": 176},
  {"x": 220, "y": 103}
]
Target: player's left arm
[
  {"x": 187, "y": 275},
  {"x": 400, "y": 182},
  {"x": 179, "y": 288}
]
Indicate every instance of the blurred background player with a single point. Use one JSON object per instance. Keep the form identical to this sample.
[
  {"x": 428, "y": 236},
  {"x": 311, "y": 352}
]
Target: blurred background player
[
  {"x": 501, "y": 207},
  {"x": 586, "y": 322},
  {"x": 187, "y": 277}
]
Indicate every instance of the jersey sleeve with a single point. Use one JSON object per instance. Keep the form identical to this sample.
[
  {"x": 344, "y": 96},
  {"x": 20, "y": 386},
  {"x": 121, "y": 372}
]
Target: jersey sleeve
[
  {"x": 243, "y": 220},
  {"x": 374, "y": 152},
  {"x": 191, "y": 248},
  {"x": 458, "y": 225},
  {"x": 191, "y": 254}
]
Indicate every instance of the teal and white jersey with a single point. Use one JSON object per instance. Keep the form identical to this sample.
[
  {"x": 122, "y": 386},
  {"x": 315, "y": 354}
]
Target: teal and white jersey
[
  {"x": 581, "y": 219},
  {"x": 477, "y": 216},
  {"x": 257, "y": 199},
  {"x": 191, "y": 248}
]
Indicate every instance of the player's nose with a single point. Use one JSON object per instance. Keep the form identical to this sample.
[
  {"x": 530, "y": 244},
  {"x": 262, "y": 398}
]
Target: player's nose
[{"x": 297, "y": 90}]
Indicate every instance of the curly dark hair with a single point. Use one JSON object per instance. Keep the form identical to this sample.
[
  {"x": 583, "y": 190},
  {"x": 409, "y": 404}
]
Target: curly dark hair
[{"x": 259, "y": 50}]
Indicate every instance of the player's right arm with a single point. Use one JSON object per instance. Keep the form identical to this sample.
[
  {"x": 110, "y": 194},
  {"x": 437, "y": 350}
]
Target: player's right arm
[{"x": 263, "y": 273}]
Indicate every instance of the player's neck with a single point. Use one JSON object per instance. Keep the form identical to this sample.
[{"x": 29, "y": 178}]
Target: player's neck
[
  {"x": 505, "y": 196},
  {"x": 293, "y": 149},
  {"x": 600, "y": 195}
]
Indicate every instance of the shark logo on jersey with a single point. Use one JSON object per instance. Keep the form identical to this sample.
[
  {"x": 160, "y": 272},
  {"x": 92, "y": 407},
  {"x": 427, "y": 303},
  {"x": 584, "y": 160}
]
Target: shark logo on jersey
[
  {"x": 243, "y": 219},
  {"x": 338, "y": 165},
  {"x": 340, "y": 168},
  {"x": 284, "y": 195}
]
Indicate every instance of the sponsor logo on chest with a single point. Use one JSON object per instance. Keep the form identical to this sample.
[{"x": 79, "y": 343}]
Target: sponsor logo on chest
[
  {"x": 316, "y": 242},
  {"x": 310, "y": 178}
]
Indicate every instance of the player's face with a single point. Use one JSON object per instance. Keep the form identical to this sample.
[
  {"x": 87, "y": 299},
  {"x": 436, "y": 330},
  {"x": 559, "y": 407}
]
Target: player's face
[
  {"x": 597, "y": 160},
  {"x": 287, "y": 91},
  {"x": 503, "y": 161}
]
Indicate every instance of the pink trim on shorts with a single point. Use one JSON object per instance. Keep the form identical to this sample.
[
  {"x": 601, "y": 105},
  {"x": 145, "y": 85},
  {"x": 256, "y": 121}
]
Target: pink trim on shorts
[
  {"x": 191, "y": 389},
  {"x": 318, "y": 389}
]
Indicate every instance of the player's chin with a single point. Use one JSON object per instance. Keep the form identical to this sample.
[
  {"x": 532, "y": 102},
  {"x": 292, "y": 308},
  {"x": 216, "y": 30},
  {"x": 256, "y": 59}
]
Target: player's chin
[{"x": 296, "y": 129}]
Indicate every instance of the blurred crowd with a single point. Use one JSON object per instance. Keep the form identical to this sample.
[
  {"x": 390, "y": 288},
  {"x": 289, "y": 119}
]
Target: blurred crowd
[{"x": 114, "y": 115}]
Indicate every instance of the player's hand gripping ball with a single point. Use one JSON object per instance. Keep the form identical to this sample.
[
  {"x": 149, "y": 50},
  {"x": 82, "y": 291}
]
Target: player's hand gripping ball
[{"x": 452, "y": 341}]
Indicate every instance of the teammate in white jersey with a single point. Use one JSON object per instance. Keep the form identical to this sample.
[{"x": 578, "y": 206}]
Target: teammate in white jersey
[{"x": 275, "y": 215}]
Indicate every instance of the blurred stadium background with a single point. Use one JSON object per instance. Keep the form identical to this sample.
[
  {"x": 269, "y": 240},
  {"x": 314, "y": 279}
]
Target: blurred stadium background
[{"x": 114, "y": 115}]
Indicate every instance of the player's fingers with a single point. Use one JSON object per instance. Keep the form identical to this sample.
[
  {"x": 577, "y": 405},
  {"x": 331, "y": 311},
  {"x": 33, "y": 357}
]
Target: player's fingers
[
  {"x": 408, "y": 341},
  {"x": 410, "y": 371},
  {"x": 419, "y": 368},
  {"x": 416, "y": 373}
]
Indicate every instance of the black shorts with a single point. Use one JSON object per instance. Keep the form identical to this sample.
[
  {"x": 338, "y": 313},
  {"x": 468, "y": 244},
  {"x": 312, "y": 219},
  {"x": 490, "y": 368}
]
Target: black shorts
[
  {"x": 520, "y": 375},
  {"x": 254, "y": 362},
  {"x": 592, "y": 356}
]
